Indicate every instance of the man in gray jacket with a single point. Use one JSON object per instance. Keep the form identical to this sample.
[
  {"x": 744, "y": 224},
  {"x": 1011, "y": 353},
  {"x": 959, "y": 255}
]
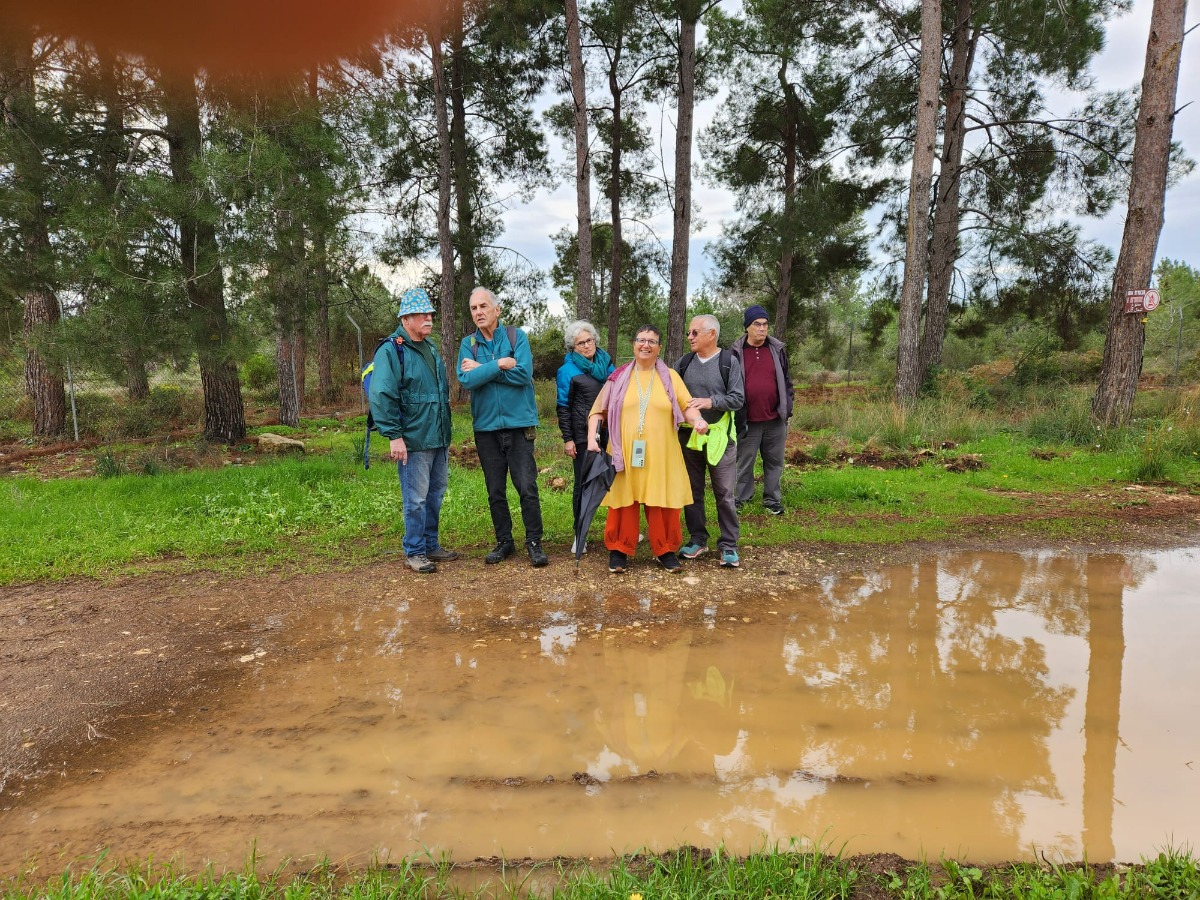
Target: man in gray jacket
[
  {"x": 714, "y": 379},
  {"x": 762, "y": 424}
]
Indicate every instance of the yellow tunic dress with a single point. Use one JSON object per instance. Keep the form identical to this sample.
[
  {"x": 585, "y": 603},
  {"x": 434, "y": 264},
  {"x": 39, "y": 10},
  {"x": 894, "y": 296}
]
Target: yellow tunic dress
[{"x": 663, "y": 481}]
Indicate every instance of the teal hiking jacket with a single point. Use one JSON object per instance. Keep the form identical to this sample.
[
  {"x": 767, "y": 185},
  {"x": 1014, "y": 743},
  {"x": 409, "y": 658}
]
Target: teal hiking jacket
[
  {"x": 499, "y": 398},
  {"x": 415, "y": 406}
]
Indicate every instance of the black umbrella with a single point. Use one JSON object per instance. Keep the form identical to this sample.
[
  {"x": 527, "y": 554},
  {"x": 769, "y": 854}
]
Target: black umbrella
[{"x": 598, "y": 475}]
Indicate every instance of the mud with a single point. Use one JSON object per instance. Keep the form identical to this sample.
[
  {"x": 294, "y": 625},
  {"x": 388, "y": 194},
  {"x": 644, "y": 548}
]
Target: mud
[{"x": 90, "y": 671}]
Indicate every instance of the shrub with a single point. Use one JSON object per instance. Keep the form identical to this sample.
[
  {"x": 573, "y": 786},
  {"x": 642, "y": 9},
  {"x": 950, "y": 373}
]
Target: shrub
[
  {"x": 259, "y": 372},
  {"x": 547, "y": 348}
]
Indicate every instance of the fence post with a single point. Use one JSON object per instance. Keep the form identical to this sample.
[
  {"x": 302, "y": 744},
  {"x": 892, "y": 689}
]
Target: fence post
[
  {"x": 361, "y": 406},
  {"x": 71, "y": 390}
]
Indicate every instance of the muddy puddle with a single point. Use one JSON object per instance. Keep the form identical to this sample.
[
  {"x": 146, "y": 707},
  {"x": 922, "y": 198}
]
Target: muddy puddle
[{"x": 988, "y": 707}]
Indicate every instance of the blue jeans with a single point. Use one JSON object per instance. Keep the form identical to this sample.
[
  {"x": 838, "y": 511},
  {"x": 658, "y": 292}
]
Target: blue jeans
[
  {"x": 503, "y": 454},
  {"x": 423, "y": 481}
]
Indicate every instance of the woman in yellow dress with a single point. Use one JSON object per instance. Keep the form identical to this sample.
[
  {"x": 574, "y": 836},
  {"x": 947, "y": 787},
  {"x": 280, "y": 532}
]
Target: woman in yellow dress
[{"x": 643, "y": 403}]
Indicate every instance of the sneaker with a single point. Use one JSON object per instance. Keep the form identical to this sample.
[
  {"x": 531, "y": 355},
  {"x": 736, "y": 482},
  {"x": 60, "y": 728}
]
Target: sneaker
[
  {"x": 729, "y": 559},
  {"x": 775, "y": 510},
  {"x": 692, "y": 551},
  {"x": 741, "y": 506},
  {"x": 441, "y": 554},
  {"x": 617, "y": 561},
  {"x": 670, "y": 562},
  {"x": 575, "y": 544},
  {"x": 500, "y": 552},
  {"x": 537, "y": 556},
  {"x": 420, "y": 563}
]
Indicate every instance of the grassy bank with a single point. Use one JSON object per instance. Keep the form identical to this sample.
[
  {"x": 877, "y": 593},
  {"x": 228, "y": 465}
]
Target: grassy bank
[
  {"x": 862, "y": 471},
  {"x": 683, "y": 874}
]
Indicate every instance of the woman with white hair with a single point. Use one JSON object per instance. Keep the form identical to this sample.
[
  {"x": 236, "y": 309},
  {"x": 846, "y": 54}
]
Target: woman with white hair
[{"x": 580, "y": 378}]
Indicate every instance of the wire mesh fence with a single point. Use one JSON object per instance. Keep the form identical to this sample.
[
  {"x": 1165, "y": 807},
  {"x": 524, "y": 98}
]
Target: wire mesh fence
[{"x": 98, "y": 407}]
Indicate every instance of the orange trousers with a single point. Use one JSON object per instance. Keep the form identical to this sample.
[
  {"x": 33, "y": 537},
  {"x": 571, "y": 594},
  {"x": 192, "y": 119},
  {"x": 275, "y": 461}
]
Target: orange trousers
[{"x": 662, "y": 524}]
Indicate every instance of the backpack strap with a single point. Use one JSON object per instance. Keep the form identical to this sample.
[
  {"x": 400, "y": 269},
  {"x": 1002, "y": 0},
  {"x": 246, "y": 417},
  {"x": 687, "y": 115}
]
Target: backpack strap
[
  {"x": 724, "y": 363},
  {"x": 368, "y": 371},
  {"x": 510, "y": 330}
]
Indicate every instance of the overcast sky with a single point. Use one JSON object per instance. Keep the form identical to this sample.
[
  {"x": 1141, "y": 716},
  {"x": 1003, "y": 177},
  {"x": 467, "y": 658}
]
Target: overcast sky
[{"x": 529, "y": 226}]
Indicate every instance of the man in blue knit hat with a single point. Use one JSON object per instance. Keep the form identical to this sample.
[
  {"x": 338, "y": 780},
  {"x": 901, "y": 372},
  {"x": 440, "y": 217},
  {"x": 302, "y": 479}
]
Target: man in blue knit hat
[
  {"x": 762, "y": 420},
  {"x": 410, "y": 403}
]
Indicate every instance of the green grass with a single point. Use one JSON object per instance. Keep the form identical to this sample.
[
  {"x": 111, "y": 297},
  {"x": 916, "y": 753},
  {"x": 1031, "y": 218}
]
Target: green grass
[
  {"x": 686, "y": 873},
  {"x": 324, "y": 508}
]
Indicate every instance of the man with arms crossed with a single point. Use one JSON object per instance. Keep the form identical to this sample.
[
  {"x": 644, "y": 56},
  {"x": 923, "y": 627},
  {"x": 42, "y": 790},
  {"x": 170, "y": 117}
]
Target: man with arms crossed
[{"x": 496, "y": 365}]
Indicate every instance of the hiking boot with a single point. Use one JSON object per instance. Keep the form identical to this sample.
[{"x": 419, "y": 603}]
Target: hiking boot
[
  {"x": 669, "y": 561},
  {"x": 537, "y": 556},
  {"x": 617, "y": 561},
  {"x": 500, "y": 552},
  {"x": 692, "y": 551},
  {"x": 729, "y": 559},
  {"x": 775, "y": 510},
  {"x": 420, "y": 563},
  {"x": 441, "y": 554}
]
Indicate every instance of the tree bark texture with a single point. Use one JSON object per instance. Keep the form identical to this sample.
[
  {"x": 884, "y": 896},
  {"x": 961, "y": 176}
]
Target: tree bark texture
[
  {"x": 43, "y": 381},
  {"x": 681, "y": 235},
  {"x": 111, "y": 152},
  {"x": 1125, "y": 338},
  {"x": 445, "y": 240},
  {"x": 943, "y": 253},
  {"x": 916, "y": 256},
  {"x": 224, "y": 412},
  {"x": 791, "y": 112},
  {"x": 320, "y": 275},
  {"x": 583, "y": 165},
  {"x": 466, "y": 241},
  {"x": 614, "y": 200}
]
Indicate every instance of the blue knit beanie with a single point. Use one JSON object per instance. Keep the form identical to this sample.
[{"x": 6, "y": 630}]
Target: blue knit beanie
[{"x": 753, "y": 314}]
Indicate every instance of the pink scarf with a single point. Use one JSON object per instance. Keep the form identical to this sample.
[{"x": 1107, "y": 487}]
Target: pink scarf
[{"x": 619, "y": 381}]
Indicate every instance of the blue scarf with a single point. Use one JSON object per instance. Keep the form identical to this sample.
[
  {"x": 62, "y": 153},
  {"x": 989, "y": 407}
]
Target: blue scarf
[{"x": 598, "y": 367}]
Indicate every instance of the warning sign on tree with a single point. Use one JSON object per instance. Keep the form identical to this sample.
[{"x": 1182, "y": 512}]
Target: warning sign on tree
[{"x": 1141, "y": 301}]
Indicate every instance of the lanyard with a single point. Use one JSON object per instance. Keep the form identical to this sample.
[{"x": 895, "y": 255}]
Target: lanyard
[{"x": 643, "y": 399}]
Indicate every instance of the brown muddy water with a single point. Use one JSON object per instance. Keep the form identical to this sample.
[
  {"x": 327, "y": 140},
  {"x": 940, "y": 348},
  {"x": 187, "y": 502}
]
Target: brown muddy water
[{"x": 988, "y": 707}]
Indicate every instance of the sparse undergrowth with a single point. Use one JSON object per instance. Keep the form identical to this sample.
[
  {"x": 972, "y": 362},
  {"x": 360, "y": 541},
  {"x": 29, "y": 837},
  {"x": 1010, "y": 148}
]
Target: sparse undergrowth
[
  {"x": 688, "y": 872},
  {"x": 860, "y": 471}
]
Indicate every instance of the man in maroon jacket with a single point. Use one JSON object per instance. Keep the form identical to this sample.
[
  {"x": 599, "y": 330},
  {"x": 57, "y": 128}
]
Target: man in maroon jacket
[{"x": 762, "y": 423}]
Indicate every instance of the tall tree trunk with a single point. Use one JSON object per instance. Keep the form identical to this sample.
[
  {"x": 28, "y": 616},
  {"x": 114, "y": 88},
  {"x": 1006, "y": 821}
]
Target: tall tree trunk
[
  {"x": 286, "y": 363},
  {"x": 583, "y": 165},
  {"x": 614, "y": 201},
  {"x": 43, "y": 382},
  {"x": 916, "y": 256},
  {"x": 1126, "y": 335},
  {"x": 946, "y": 213},
  {"x": 682, "y": 233},
  {"x": 445, "y": 241},
  {"x": 111, "y": 152},
  {"x": 224, "y": 413},
  {"x": 783, "y": 293},
  {"x": 320, "y": 274},
  {"x": 466, "y": 242}
]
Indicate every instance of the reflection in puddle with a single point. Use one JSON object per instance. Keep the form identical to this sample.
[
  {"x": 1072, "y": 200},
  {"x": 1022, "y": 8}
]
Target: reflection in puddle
[{"x": 986, "y": 706}]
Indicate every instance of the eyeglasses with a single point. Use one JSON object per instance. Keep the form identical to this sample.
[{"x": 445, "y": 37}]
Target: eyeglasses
[
  {"x": 649, "y": 342},
  {"x": 586, "y": 342},
  {"x": 695, "y": 333},
  {"x": 761, "y": 323}
]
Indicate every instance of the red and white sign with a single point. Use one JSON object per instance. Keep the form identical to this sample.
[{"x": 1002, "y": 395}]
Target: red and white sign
[{"x": 1141, "y": 301}]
